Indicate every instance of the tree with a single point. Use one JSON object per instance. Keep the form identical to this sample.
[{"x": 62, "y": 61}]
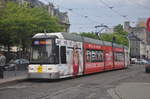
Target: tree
[
  {"x": 20, "y": 22},
  {"x": 120, "y": 37},
  {"x": 119, "y": 30},
  {"x": 90, "y": 35},
  {"x": 2, "y": 6}
]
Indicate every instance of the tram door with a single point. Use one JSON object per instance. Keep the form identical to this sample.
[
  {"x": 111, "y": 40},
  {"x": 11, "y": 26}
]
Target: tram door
[{"x": 108, "y": 60}]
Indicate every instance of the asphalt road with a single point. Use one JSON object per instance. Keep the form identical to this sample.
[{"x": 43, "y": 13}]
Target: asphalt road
[{"x": 95, "y": 86}]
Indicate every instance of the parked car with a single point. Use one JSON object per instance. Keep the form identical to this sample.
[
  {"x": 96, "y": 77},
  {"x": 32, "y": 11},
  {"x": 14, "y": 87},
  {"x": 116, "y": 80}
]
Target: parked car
[
  {"x": 144, "y": 62},
  {"x": 18, "y": 64},
  {"x": 141, "y": 61},
  {"x": 133, "y": 60}
]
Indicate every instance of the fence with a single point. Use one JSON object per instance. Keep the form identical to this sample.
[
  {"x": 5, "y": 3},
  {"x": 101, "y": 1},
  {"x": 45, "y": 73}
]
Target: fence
[{"x": 13, "y": 70}]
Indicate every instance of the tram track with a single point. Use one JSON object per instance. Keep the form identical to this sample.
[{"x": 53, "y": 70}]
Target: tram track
[{"x": 85, "y": 87}]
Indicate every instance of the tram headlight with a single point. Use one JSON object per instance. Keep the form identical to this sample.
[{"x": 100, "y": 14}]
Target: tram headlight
[
  {"x": 31, "y": 68},
  {"x": 49, "y": 68}
]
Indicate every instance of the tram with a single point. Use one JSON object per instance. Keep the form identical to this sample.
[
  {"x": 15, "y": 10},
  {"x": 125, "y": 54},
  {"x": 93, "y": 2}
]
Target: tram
[{"x": 61, "y": 55}]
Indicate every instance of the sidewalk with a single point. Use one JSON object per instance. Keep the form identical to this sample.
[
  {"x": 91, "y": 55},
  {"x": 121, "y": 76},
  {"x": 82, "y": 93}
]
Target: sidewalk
[
  {"x": 132, "y": 91},
  {"x": 12, "y": 79}
]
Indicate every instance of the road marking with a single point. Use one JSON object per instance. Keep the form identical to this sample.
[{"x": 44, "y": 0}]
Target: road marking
[
  {"x": 113, "y": 94},
  {"x": 14, "y": 87},
  {"x": 92, "y": 95}
]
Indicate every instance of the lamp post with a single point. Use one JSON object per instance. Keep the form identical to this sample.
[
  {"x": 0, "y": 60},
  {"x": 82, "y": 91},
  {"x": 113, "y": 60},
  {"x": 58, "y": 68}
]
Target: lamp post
[
  {"x": 129, "y": 47},
  {"x": 147, "y": 54},
  {"x": 99, "y": 32},
  {"x": 129, "y": 44},
  {"x": 113, "y": 59}
]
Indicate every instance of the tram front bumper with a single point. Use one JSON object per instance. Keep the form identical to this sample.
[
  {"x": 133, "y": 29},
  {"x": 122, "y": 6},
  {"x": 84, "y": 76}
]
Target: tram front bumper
[{"x": 43, "y": 75}]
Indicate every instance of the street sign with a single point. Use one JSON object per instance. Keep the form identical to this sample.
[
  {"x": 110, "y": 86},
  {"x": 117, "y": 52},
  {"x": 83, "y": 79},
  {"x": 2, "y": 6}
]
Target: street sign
[{"x": 148, "y": 25}]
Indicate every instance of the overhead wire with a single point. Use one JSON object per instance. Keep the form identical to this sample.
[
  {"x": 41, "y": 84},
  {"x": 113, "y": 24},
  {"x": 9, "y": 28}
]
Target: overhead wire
[
  {"x": 112, "y": 9},
  {"x": 138, "y": 4},
  {"x": 73, "y": 10},
  {"x": 81, "y": 15},
  {"x": 85, "y": 17}
]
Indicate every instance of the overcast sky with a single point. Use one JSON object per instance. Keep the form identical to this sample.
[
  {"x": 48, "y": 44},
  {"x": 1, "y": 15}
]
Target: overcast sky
[{"x": 86, "y": 14}]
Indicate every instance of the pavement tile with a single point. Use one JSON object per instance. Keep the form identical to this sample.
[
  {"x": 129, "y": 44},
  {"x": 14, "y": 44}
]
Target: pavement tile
[
  {"x": 6, "y": 80},
  {"x": 133, "y": 91}
]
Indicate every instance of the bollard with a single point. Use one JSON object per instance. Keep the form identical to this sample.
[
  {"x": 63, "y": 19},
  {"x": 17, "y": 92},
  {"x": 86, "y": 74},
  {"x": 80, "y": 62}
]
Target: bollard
[
  {"x": 1, "y": 72},
  {"x": 147, "y": 68}
]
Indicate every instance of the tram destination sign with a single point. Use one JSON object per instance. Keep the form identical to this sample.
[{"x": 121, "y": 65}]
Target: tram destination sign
[{"x": 42, "y": 42}]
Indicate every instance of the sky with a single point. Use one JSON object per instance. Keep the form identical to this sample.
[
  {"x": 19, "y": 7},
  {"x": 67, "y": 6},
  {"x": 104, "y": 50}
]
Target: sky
[{"x": 84, "y": 15}]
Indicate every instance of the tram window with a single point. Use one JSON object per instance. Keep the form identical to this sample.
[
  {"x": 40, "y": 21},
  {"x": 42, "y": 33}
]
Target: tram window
[
  {"x": 119, "y": 57},
  {"x": 94, "y": 56},
  {"x": 101, "y": 55},
  {"x": 63, "y": 54},
  {"x": 97, "y": 56},
  {"x": 57, "y": 54},
  {"x": 88, "y": 56}
]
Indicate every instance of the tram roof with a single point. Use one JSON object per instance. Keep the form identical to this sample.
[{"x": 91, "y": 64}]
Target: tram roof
[
  {"x": 71, "y": 36},
  {"x": 76, "y": 37},
  {"x": 94, "y": 41},
  {"x": 44, "y": 36}
]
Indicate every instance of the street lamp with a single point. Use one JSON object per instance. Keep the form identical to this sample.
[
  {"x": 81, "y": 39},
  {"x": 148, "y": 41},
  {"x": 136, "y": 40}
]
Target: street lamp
[
  {"x": 99, "y": 26},
  {"x": 129, "y": 45}
]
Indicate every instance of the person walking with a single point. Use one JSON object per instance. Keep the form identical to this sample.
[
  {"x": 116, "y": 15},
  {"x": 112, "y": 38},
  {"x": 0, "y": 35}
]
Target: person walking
[{"x": 2, "y": 64}]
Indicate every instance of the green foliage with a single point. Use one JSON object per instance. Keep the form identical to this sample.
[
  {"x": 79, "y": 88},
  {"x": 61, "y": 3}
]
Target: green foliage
[
  {"x": 90, "y": 35},
  {"x": 119, "y": 34},
  {"x": 120, "y": 39},
  {"x": 119, "y": 30},
  {"x": 2, "y": 6},
  {"x": 20, "y": 22},
  {"x": 106, "y": 37}
]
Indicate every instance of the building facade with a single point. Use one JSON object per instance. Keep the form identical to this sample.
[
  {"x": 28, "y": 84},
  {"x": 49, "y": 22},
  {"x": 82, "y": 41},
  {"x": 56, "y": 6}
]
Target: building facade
[
  {"x": 138, "y": 48},
  {"x": 139, "y": 44},
  {"x": 62, "y": 16}
]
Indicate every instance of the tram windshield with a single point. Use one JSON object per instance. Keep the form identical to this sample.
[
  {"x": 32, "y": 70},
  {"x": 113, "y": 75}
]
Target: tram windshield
[{"x": 43, "y": 52}]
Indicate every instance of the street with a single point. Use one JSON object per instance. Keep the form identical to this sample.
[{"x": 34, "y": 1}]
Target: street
[{"x": 96, "y": 86}]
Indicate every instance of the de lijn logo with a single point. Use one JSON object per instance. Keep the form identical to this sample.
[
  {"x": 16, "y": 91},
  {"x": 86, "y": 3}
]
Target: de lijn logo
[{"x": 148, "y": 25}]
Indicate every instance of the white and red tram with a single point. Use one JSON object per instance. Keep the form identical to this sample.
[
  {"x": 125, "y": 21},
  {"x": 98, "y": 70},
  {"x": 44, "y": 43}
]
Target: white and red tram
[{"x": 60, "y": 55}]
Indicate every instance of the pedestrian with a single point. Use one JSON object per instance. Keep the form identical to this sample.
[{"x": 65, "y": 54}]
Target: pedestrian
[{"x": 2, "y": 63}]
